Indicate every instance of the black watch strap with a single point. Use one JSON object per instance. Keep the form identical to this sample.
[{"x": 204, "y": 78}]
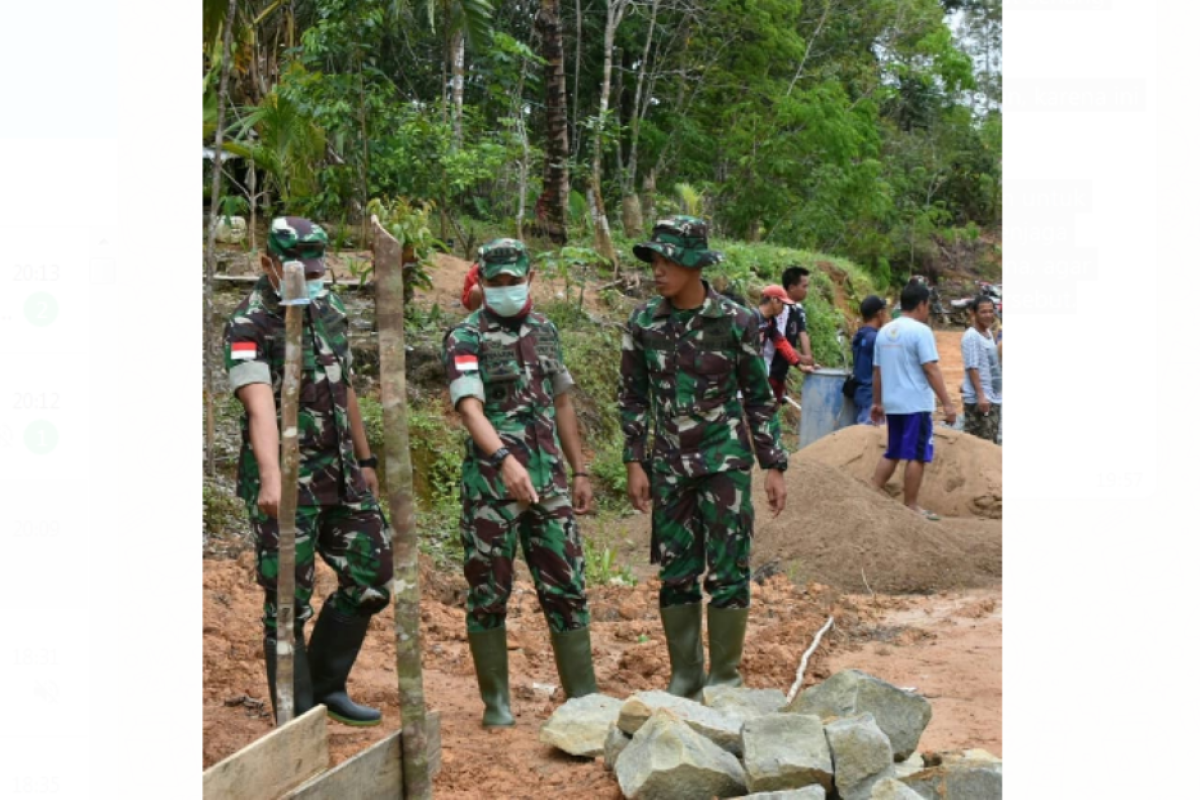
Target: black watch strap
[
  {"x": 497, "y": 458},
  {"x": 370, "y": 461}
]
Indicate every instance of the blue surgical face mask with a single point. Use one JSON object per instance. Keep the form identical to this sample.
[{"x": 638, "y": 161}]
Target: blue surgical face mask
[
  {"x": 507, "y": 301},
  {"x": 314, "y": 288}
]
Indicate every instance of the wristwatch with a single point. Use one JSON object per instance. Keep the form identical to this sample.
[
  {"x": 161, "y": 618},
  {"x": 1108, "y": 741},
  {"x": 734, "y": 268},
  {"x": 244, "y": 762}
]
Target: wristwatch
[
  {"x": 497, "y": 458},
  {"x": 370, "y": 461}
]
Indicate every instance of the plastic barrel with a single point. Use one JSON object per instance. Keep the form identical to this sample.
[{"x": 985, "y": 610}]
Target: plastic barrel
[{"x": 823, "y": 408}]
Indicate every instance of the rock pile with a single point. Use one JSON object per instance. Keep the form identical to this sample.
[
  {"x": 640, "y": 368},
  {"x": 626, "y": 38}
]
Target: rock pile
[{"x": 852, "y": 737}]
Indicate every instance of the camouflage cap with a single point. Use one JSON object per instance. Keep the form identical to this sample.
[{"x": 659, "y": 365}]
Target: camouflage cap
[
  {"x": 299, "y": 239},
  {"x": 503, "y": 255},
  {"x": 681, "y": 239}
]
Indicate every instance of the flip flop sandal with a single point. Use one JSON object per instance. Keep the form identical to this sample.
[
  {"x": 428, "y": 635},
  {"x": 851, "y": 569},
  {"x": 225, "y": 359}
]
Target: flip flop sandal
[{"x": 929, "y": 515}]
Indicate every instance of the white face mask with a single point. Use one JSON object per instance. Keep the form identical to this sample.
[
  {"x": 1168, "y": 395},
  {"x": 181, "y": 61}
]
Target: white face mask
[
  {"x": 507, "y": 301},
  {"x": 314, "y": 288}
]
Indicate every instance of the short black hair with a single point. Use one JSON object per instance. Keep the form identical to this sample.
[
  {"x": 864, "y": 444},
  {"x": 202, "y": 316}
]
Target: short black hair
[
  {"x": 871, "y": 305},
  {"x": 792, "y": 276},
  {"x": 982, "y": 298},
  {"x": 913, "y": 295}
]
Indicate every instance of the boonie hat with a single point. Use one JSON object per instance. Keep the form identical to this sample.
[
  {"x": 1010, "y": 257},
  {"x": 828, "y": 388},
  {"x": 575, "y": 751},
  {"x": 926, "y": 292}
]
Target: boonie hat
[{"x": 681, "y": 239}]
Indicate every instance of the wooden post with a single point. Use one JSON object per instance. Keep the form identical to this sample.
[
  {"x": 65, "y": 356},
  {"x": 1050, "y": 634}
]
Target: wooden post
[
  {"x": 389, "y": 315},
  {"x": 285, "y": 581}
]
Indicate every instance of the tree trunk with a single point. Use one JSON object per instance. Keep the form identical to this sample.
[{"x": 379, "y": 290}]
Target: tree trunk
[
  {"x": 631, "y": 211},
  {"x": 631, "y": 215},
  {"x": 389, "y": 316},
  {"x": 603, "y": 236},
  {"x": 649, "y": 192},
  {"x": 556, "y": 189},
  {"x": 285, "y": 581},
  {"x": 210, "y": 253},
  {"x": 458, "y": 50}
]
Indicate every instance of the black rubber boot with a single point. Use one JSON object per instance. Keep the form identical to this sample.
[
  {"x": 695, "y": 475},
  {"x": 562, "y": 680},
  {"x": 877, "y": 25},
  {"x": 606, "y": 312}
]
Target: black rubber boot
[
  {"x": 726, "y": 634},
  {"x": 489, "y": 651},
  {"x": 335, "y": 644},
  {"x": 302, "y": 691},
  {"x": 573, "y": 657},
  {"x": 681, "y": 624}
]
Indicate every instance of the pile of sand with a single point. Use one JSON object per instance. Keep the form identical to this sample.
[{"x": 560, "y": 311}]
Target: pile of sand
[
  {"x": 837, "y": 529},
  {"x": 964, "y": 479}
]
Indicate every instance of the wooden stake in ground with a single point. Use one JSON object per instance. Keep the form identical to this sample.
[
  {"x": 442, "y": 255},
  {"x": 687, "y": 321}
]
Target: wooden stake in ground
[
  {"x": 291, "y": 289},
  {"x": 389, "y": 315}
]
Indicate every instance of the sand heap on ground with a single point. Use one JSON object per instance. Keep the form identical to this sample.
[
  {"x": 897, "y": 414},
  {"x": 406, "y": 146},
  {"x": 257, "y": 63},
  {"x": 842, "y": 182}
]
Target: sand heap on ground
[
  {"x": 837, "y": 529},
  {"x": 964, "y": 479}
]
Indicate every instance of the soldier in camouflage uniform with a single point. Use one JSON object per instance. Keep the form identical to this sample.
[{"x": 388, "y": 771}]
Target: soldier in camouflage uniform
[
  {"x": 337, "y": 514},
  {"x": 685, "y": 357},
  {"x": 509, "y": 383}
]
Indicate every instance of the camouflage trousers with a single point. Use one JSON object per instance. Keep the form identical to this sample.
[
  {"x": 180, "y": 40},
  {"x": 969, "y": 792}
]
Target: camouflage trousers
[
  {"x": 350, "y": 537},
  {"x": 553, "y": 549},
  {"x": 698, "y": 522},
  {"x": 977, "y": 424}
]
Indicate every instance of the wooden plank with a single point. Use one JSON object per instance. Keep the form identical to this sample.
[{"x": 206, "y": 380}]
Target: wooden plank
[
  {"x": 373, "y": 774},
  {"x": 278, "y": 762},
  {"x": 376, "y": 772},
  {"x": 433, "y": 730}
]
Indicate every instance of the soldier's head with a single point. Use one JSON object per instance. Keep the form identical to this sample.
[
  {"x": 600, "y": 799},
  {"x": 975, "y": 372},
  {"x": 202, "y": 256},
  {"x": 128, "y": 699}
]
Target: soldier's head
[
  {"x": 294, "y": 239},
  {"x": 678, "y": 250},
  {"x": 795, "y": 283},
  {"x": 505, "y": 272}
]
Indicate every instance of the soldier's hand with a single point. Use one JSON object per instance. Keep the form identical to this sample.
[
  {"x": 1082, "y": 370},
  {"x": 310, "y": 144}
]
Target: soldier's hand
[
  {"x": 371, "y": 478},
  {"x": 776, "y": 491},
  {"x": 581, "y": 494},
  {"x": 516, "y": 481},
  {"x": 269, "y": 493},
  {"x": 638, "y": 487}
]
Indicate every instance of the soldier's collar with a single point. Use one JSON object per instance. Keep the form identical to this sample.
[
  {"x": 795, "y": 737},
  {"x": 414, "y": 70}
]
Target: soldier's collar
[
  {"x": 711, "y": 307},
  {"x": 270, "y": 298}
]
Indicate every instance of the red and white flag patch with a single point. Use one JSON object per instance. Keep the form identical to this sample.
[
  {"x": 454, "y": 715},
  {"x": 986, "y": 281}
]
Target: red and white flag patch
[
  {"x": 243, "y": 350},
  {"x": 466, "y": 363}
]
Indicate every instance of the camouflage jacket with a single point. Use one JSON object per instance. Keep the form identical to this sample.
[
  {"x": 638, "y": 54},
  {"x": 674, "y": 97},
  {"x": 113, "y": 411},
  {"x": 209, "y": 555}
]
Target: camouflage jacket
[
  {"x": 254, "y": 353},
  {"x": 687, "y": 368},
  {"x": 516, "y": 371}
]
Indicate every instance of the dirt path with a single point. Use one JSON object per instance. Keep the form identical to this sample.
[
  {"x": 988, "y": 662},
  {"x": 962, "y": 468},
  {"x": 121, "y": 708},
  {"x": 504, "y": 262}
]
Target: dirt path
[{"x": 947, "y": 646}]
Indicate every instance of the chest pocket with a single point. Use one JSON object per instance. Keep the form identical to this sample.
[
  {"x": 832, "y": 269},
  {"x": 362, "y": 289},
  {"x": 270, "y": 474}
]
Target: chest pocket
[
  {"x": 660, "y": 352},
  {"x": 500, "y": 372}
]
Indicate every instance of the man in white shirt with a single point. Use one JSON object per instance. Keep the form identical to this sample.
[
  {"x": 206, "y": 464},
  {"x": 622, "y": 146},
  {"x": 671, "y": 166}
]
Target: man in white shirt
[{"x": 906, "y": 377}]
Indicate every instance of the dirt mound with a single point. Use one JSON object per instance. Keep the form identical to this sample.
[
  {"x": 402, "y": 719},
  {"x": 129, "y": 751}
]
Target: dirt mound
[
  {"x": 964, "y": 479},
  {"x": 838, "y": 530}
]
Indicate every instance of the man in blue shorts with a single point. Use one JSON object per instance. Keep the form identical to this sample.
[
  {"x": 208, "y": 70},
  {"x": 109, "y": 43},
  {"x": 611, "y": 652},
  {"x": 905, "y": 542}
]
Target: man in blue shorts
[{"x": 905, "y": 379}]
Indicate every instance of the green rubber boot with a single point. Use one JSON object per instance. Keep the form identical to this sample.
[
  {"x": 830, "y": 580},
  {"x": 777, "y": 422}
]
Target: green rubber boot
[
  {"x": 489, "y": 651},
  {"x": 334, "y": 647},
  {"x": 573, "y": 657},
  {"x": 726, "y": 634},
  {"x": 681, "y": 624}
]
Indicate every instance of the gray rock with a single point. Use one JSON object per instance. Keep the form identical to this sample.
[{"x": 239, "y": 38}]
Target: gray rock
[
  {"x": 667, "y": 760},
  {"x": 892, "y": 789},
  {"x": 862, "y": 755},
  {"x": 722, "y": 729},
  {"x": 743, "y": 704},
  {"x": 963, "y": 780},
  {"x": 807, "y": 793},
  {"x": 786, "y": 751},
  {"x": 901, "y": 715},
  {"x": 580, "y": 725},
  {"x": 614, "y": 744}
]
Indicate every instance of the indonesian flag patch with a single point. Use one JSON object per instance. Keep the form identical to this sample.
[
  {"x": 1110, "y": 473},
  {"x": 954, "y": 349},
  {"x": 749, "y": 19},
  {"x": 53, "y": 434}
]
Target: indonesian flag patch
[
  {"x": 466, "y": 363},
  {"x": 243, "y": 350}
]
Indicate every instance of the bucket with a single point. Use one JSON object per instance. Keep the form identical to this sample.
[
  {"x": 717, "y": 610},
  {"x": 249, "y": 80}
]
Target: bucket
[{"x": 823, "y": 407}]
